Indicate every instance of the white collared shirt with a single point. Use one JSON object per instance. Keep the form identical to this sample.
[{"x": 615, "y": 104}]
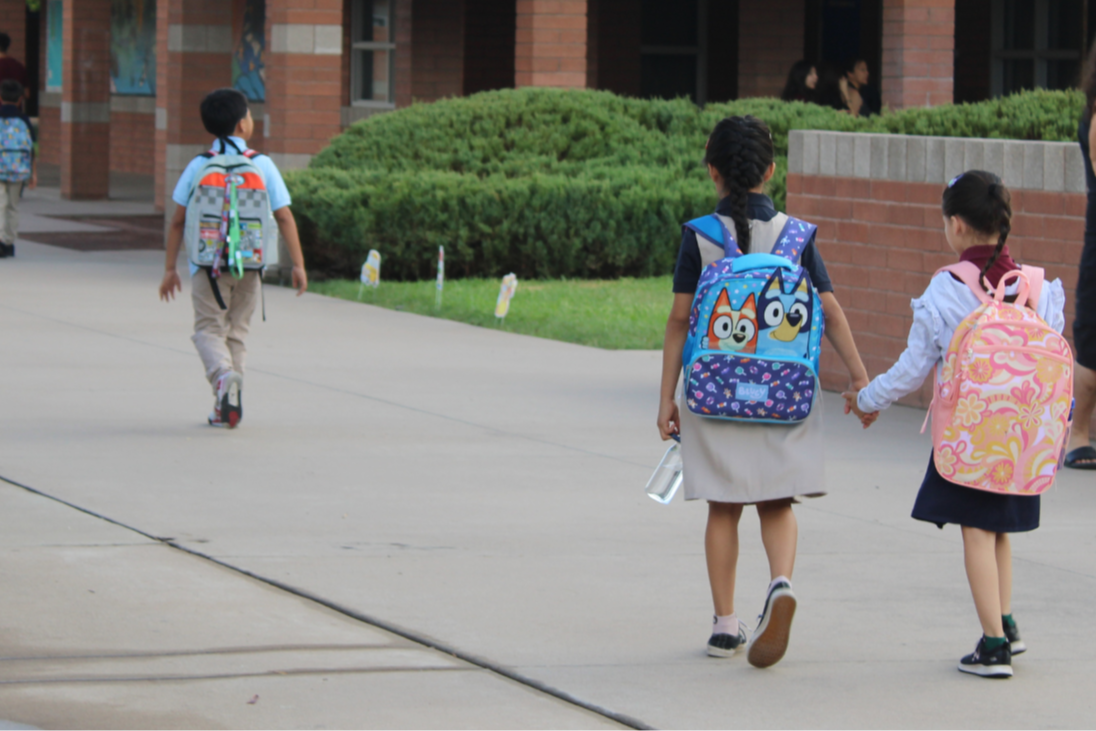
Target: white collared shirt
[{"x": 945, "y": 303}]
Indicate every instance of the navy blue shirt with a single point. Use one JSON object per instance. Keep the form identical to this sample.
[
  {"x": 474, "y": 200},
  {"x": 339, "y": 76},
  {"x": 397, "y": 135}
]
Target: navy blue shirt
[{"x": 760, "y": 208}]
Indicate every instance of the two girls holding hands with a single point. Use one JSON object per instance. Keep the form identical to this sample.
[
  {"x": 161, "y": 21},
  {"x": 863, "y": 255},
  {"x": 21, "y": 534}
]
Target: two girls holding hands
[{"x": 732, "y": 464}]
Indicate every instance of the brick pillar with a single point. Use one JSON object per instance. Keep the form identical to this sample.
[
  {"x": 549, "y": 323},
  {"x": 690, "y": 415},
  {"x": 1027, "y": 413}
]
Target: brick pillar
[
  {"x": 550, "y": 48},
  {"x": 85, "y": 100},
  {"x": 14, "y": 23},
  {"x": 303, "y": 79},
  {"x": 193, "y": 57},
  {"x": 918, "y": 61},
  {"x": 770, "y": 40}
]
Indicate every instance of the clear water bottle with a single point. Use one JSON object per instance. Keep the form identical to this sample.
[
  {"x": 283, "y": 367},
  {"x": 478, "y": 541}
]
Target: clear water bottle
[{"x": 666, "y": 480}]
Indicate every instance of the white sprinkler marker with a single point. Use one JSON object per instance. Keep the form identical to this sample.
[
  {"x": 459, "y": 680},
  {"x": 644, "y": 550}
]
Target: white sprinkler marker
[
  {"x": 371, "y": 271},
  {"x": 506, "y": 293},
  {"x": 441, "y": 276}
]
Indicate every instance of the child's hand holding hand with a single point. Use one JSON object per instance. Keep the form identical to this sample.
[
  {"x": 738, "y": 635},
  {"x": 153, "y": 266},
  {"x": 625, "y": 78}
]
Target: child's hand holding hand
[
  {"x": 669, "y": 419},
  {"x": 866, "y": 419}
]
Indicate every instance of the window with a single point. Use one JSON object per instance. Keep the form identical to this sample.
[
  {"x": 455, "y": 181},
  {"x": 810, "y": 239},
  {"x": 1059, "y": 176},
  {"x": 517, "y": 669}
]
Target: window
[
  {"x": 372, "y": 46},
  {"x": 1036, "y": 44},
  {"x": 674, "y": 50}
]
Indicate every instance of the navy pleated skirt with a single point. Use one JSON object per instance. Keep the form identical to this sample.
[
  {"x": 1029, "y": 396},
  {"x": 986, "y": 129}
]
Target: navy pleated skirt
[{"x": 942, "y": 502}]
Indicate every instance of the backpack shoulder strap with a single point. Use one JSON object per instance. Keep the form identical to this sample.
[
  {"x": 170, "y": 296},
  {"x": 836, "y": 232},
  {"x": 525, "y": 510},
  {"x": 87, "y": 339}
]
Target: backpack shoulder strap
[
  {"x": 1035, "y": 276},
  {"x": 967, "y": 273},
  {"x": 713, "y": 229},
  {"x": 793, "y": 238},
  {"x": 252, "y": 154}
]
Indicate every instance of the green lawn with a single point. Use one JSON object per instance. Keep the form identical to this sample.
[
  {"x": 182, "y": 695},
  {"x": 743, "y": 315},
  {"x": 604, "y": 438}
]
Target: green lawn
[{"x": 623, "y": 314}]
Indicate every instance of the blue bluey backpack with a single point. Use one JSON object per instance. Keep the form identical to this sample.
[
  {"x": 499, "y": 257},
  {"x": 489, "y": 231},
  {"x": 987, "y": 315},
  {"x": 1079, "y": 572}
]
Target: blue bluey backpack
[
  {"x": 755, "y": 330},
  {"x": 16, "y": 147}
]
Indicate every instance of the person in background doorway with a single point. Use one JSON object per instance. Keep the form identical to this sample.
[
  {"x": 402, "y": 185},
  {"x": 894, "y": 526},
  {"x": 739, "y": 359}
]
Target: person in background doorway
[
  {"x": 1080, "y": 455},
  {"x": 862, "y": 97},
  {"x": 802, "y": 83},
  {"x": 833, "y": 89},
  {"x": 11, "y": 68}
]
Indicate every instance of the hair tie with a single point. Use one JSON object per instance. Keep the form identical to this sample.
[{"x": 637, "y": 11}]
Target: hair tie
[{"x": 955, "y": 180}]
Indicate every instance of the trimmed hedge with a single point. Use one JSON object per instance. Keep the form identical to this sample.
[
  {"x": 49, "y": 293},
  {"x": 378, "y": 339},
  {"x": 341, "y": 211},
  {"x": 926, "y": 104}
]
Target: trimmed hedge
[{"x": 552, "y": 183}]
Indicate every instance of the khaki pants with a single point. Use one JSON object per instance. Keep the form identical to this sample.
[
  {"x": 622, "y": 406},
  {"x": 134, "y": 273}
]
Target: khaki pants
[
  {"x": 219, "y": 334},
  {"x": 9, "y": 213}
]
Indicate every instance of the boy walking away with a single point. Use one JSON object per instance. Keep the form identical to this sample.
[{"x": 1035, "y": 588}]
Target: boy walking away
[
  {"x": 225, "y": 199},
  {"x": 18, "y": 165}
]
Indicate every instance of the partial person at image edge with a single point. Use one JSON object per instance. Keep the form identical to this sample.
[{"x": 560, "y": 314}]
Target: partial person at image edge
[
  {"x": 219, "y": 333},
  {"x": 19, "y": 166}
]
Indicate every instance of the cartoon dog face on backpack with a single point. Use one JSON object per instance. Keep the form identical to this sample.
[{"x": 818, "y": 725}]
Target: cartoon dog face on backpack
[
  {"x": 785, "y": 315},
  {"x": 734, "y": 330}
]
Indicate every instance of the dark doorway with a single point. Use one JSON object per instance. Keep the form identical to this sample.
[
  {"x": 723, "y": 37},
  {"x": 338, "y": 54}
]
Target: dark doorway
[
  {"x": 489, "y": 33},
  {"x": 840, "y": 31},
  {"x": 31, "y": 59}
]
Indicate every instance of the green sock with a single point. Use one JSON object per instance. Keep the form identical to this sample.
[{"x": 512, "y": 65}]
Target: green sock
[
  {"x": 1008, "y": 621},
  {"x": 992, "y": 643}
]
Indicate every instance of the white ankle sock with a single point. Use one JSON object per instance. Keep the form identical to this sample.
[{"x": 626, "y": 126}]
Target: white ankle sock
[
  {"x": 727, "y": 625},
  {"x": 777, "y": 580}
]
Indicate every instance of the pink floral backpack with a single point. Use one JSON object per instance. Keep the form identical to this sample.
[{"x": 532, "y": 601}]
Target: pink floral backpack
[{"x": 1003, "y": 401}]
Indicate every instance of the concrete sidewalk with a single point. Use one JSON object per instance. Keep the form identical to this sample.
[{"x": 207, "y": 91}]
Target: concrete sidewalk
[{"x": 485, "y": 490}]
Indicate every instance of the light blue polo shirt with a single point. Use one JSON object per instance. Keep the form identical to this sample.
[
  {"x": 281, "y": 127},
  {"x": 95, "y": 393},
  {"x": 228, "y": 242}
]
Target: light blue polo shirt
[{"x": 275, "y": 186}]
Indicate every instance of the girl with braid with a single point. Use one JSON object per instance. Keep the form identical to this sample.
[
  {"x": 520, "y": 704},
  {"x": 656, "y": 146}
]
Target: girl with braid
[
  {"x": 977, "y": 221},
  {"x": 733, "y": 464}
]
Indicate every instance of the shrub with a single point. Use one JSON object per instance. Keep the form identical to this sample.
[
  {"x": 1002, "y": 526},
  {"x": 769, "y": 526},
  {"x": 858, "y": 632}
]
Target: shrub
[{"x": 550, "y": 183}]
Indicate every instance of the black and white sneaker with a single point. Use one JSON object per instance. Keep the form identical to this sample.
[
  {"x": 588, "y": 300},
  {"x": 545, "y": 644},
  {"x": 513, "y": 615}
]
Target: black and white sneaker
[
  {"x": 724, "y": 645},
  {"x": 1016, "y": 645},
  {"x": 774, "y": 627},
  {"x": 996, "y": 664}
]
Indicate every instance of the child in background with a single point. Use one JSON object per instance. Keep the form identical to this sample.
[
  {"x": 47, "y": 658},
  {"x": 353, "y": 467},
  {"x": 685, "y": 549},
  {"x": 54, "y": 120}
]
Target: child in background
[
  {"x": 219, "y": 334},
  {"x": 977, "y": 221},
  {"x": 732, "y": 464},
  {"x": 19, "y": 164}
]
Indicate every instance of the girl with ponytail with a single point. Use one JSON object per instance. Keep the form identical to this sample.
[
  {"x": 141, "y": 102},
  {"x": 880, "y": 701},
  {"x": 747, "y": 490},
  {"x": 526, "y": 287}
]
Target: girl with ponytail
[
  {"x": 977, "y": 220},
  {"x": 734, "y": 464}
]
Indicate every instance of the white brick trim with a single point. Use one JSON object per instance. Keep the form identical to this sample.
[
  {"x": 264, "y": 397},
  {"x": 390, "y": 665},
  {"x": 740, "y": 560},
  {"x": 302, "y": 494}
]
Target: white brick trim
[
  {"x": 1025, "y": 165},
  {"x": 85, "y": 112},
  {"x": 133, "y": 104},
  {"x": 320, "y": 40},
  {"x": 192, "y": 38}
]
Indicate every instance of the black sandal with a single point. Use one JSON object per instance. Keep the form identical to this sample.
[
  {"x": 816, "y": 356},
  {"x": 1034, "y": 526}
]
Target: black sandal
[{"x": 1081, "y": 458}]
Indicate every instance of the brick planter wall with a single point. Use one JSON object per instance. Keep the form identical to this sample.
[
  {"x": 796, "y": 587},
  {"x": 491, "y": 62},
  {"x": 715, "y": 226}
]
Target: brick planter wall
[{"x": 876, "y": 200}]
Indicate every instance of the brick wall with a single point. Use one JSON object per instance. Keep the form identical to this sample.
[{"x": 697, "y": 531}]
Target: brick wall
[
  {"x": 133, "y": 142},
  {"x": 85, "y": 100},
  {"x": 876, "y": 200},
  {"x": 770, "y": 40},
  {"x": 437, "y": 49},
  {"x": 918, "y": 44},
  {"x": 49, "y": 134},
  {"x": 550, "y": 43},
  {"x": 489, "y": 30}
]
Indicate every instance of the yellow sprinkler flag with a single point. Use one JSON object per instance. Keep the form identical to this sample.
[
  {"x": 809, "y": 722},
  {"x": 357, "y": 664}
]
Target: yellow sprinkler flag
[{"x": 506, "y": 293}]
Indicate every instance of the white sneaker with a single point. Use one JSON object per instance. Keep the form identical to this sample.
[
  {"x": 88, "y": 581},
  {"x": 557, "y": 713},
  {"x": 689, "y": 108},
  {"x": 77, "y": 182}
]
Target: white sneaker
[
  {"x": 215, "y": 415},
  {"x": 229, "y": 407}
]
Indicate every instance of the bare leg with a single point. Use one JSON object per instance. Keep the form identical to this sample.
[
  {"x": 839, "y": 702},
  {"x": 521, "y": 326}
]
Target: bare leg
[
  {"x": 779, "y": 533},
  {"x": 980, "y": 553},
  {"x": 721, "y": 550},
  {"x": 1004, "y": 572},
  {"x": 1084, "y": 390}
]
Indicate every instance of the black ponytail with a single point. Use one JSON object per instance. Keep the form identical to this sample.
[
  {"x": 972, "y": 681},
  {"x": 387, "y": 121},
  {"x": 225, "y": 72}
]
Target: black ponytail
[
  {"x": 741, "y": 149},
  {"x": 984, "y": 203}
]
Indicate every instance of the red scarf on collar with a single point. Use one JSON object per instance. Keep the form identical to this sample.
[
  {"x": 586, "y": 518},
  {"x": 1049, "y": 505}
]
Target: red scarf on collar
[{"x": 979, "y": 255}]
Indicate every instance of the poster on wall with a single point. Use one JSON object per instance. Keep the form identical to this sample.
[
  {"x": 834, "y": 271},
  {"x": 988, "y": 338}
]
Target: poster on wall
[
  {"x": 133, "y": 47},
  {"x": 248, "y": 74},
  {"x": 54, "y": 20}
]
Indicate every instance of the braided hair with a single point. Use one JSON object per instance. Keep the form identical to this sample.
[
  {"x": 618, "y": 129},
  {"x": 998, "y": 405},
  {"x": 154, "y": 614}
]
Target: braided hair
[
  {"x": 741, "y": 149},
  {"x": 984, "y": 203}
]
